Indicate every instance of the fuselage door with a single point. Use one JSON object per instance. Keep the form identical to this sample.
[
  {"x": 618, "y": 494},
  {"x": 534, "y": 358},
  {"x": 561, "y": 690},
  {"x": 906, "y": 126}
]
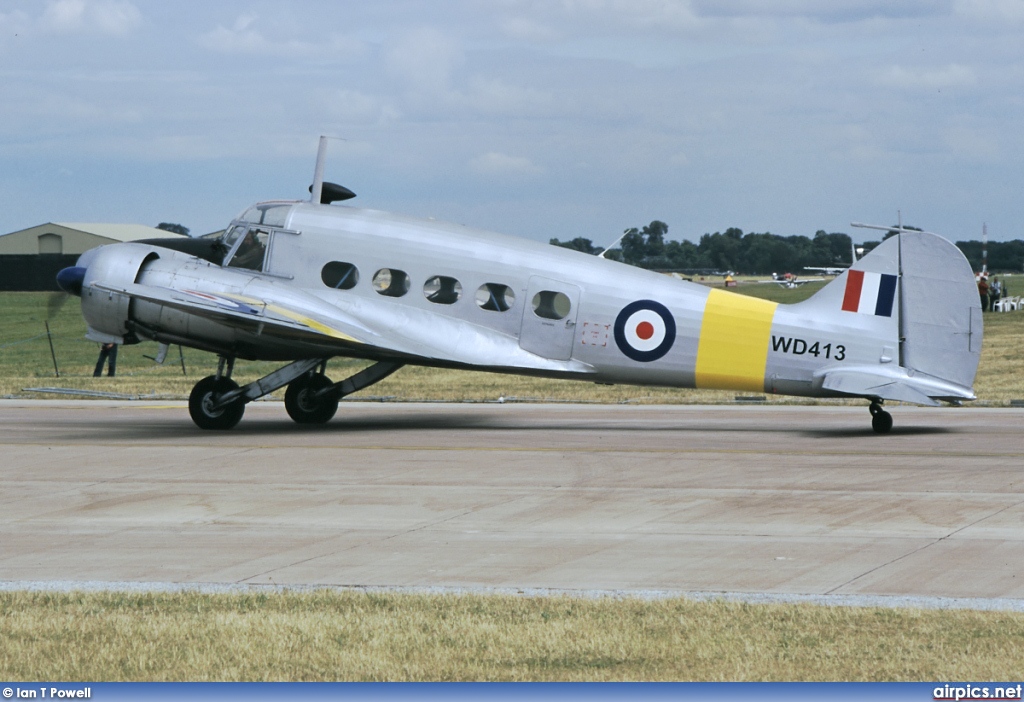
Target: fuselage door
[{"x": 549, "y": 318}]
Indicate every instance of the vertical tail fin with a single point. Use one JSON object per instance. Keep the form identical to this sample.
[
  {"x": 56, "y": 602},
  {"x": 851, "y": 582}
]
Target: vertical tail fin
[{"x": 916, "y": 296}]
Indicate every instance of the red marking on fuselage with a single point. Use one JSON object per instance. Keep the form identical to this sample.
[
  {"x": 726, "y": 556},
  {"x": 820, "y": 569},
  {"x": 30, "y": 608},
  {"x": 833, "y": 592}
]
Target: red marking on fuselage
[{"x": 645, "y": 330}]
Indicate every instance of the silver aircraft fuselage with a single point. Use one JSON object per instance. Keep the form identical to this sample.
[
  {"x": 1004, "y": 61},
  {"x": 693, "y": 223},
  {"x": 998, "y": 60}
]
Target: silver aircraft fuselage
[{"x": 333, "y": 280}]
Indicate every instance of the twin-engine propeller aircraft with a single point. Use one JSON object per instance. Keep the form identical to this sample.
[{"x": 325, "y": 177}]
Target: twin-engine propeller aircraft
[{"x": 306, "y": 281}]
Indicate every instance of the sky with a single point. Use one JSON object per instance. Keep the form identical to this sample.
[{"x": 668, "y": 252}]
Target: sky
[{"x": 538, "y": 118}]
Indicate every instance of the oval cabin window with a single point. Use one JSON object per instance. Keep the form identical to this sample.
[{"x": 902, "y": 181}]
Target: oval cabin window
[
  {"x": 551, "y": 305},
  {"x": 391, "y": 282},
  {"x": 495, "y": 297},
  {"x": 340, "y": 275},
  {"x": 442, "y": 290}
]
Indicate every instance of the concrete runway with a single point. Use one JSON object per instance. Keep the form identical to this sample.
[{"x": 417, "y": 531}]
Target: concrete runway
[{"x": 801, "y": 500}]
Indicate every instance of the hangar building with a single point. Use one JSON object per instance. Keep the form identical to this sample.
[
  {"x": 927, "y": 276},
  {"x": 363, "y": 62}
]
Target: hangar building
[{"x": 30, "y": 258}]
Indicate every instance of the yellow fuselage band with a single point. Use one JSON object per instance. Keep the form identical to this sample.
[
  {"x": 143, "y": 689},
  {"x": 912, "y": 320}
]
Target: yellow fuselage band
[{"x": 733, "y": 349}]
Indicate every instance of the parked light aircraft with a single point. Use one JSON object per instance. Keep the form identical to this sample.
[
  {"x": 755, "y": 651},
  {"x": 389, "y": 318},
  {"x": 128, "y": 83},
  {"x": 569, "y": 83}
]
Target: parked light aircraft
[
  {"x": 826, "y": 270},
  {"x": 836, "y": 270},
  {"x": 788, "y": 280},
  {"x": 307, "y": 281}
]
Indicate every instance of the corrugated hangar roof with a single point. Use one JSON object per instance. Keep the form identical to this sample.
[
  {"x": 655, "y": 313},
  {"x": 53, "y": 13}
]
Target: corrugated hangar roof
[{"x": 120, "y": 232}]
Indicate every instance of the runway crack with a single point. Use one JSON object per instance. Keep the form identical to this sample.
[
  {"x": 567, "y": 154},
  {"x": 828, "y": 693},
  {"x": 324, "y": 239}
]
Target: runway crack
[
  {"x": 925, "y": 546},
  {"x": 389, "y": 537}
]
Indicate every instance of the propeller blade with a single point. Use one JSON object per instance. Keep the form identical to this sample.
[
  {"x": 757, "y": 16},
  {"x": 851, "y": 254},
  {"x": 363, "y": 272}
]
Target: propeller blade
[{"x": 54, "y": 303}]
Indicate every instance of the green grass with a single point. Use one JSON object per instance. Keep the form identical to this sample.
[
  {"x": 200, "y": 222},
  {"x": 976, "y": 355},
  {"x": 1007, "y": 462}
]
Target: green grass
[
  {"x": 327, "y": 635},
  {"x": 25, "y": 362}
]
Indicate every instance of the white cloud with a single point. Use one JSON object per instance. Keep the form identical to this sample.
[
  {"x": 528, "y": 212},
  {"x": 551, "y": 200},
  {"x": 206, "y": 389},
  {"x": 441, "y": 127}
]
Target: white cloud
[
  {"x": 425, "y": 58},
  {"x": 952, "y": 76},
  {"x": 244, "y": 38},
  {"x": 111, "y": 17},
  {"x": 497, "y": 97},
  {"x": 354, "y": 107},
  {"x": 495, "y": 163},
  {"x": 672, "y": 14},
  {"x": 832, "y": 11},
  {"x": 971, "y": 144},
  {"x": 998, "y": 10},
  {"x": 241, "y": 38},
  {"x": 527, "y": 29}
]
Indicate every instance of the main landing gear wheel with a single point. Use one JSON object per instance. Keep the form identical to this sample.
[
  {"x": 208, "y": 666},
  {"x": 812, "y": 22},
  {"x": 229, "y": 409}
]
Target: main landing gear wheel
[
  {"x": 201, "y": 404},
  {"x": 881, "y": 421},
  {"x": 302, "y": 404}
]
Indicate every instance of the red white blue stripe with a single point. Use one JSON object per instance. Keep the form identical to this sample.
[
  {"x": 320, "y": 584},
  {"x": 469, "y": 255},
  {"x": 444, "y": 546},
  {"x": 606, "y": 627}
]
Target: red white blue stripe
[{"x": 869, "y": 293}]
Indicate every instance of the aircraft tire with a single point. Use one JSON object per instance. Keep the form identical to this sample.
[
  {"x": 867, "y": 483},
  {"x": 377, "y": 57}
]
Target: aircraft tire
[
  {"x": 881, "y": 422},
  {"x": 201, "y": 399},
  {"x": 301, "y": 405}
]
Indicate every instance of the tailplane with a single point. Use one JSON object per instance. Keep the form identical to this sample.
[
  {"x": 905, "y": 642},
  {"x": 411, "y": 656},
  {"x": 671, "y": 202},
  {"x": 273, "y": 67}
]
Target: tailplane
[{"x": 916, "y": 294}]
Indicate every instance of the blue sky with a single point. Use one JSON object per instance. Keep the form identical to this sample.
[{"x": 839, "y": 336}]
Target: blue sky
[{"x": 538, "y": 118}]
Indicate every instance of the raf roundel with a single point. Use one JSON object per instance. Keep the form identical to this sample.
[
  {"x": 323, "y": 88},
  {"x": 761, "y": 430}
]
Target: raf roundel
[{"x": 645, "y": 330}]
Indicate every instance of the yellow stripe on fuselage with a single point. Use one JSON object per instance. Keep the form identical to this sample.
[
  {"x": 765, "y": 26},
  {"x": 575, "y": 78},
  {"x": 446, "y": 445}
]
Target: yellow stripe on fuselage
[{"x": 733, "y": 347}]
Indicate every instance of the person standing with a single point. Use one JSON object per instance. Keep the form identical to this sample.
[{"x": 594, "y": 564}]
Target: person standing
[
  {"x": 983, "y": 291},
  {"x": 108, "y": 351},
  {"x": 995, "y": 291}
]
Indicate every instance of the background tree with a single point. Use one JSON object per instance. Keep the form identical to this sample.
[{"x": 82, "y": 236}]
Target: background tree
[
  {"x": 578, "y": 244},
  {"x": 176, "y": 228}
]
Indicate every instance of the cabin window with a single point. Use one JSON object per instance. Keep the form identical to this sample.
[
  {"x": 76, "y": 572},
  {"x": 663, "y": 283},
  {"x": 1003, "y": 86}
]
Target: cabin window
[
  {"x": 495, "y": 297},
  {"x": 442, "y": 290},
  {"x": 340, "y": 275},
  {"x": 391, "y": 282},
  {"x": 252, "y": 250},
  {"x": 551, "y": 305}
]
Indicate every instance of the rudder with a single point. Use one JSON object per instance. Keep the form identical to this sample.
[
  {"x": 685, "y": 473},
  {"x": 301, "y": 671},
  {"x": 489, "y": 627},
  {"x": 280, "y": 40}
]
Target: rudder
[{"x": 940, "y": 309}]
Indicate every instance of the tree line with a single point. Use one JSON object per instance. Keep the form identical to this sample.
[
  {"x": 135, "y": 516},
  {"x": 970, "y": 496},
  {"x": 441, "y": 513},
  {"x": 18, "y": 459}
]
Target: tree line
[{"x": 763, "y": 253}]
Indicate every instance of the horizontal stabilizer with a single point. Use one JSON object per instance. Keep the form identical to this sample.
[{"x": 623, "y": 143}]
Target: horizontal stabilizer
[{"x": 894, "y": 384}]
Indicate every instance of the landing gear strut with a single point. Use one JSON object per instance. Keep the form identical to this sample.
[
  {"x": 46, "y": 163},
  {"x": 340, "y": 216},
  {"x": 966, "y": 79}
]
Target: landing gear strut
[
  {"x": 881, "y": 421},
  {"x": 217, "y": 402},
  {"x": 313, "y": 399}
]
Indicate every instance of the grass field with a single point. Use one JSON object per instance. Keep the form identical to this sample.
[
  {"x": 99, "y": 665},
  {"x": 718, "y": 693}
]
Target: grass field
[
  {"x": 26, "y": 362},
  {"x": 327, "y": 635}
]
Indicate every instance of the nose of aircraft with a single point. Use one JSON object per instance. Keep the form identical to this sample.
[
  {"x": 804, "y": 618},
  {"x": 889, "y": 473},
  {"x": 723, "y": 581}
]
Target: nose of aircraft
[{"x": 70, "y": 280}]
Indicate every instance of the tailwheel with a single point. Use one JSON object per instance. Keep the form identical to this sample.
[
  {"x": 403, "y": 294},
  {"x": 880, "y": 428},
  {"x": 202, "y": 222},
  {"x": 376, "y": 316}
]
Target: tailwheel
[
  {"x": 303, "y": 404},
  {"x": 881, "y": 421},
  {"x": 203, "y": 408}
]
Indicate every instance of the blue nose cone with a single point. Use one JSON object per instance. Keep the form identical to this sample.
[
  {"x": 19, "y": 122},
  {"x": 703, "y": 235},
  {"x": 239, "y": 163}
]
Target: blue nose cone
[{"x": 70, "y": 280}]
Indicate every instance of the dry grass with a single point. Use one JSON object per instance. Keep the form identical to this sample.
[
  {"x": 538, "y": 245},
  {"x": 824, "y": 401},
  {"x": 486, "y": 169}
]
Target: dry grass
[
  {"x": 25, "y": 362},
  {"x": 365, "y": 636}
]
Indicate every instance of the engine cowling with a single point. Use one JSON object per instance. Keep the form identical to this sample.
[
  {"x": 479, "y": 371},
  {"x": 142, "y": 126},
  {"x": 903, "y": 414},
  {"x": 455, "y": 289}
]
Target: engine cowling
[{"x": 115, "y": 265}]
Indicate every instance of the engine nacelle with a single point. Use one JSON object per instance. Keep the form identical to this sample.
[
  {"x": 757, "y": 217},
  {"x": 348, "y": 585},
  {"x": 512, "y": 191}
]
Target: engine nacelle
[{"x": 115, "y": 265}]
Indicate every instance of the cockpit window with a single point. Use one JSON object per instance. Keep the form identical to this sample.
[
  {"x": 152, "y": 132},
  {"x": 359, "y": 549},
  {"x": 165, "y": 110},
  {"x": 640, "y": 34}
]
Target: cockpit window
[
  {"x": 271, "y": 215},
  {"x": 252, "y": 250},
  {"x": 229, "y": 237}
]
